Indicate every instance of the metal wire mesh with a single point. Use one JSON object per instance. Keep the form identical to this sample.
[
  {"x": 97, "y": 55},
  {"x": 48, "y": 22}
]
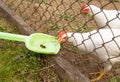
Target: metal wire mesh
[{"x": 51, "y": 16}]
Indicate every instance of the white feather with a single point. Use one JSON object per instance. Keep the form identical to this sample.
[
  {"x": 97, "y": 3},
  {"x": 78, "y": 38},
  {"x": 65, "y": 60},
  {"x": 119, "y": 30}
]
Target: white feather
[
  {"x": 105, "y": 17},
  {"x": 104, "y": 42}
]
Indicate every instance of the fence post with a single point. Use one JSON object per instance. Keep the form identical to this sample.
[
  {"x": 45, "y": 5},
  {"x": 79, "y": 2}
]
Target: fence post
[{"x": 66, "y": 71}]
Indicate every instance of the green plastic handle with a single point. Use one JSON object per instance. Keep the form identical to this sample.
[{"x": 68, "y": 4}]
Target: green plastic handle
[
  {"x": 15, "y": 37},
  {"x": 37, "y": 42}
]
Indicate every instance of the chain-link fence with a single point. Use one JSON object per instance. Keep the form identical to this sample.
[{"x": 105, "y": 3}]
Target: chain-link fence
[{"x": 51, "y": 16}]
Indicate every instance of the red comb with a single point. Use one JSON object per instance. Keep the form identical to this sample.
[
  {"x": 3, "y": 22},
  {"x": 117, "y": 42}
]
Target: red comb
[
  {"x": 61, "y": 33},
  {"x": 83, "y": 6}
]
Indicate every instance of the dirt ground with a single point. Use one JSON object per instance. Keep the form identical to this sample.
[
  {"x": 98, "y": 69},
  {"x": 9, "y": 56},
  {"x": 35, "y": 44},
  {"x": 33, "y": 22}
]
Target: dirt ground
[{"x": 53, "y": 15}]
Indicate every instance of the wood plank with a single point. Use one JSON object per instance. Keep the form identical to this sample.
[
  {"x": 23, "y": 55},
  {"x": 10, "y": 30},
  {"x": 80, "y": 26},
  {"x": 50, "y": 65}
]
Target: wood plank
[
  {"x": 15, "y": 19},
  {"x": 66, "y": 71}
]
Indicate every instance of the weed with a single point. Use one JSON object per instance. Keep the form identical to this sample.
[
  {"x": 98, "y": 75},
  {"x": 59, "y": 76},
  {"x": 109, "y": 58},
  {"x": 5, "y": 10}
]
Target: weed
[
  {"x": 54, "y": 26},
  {"x": 113, "y": 79},
  {"x": 66, "y": 17}
]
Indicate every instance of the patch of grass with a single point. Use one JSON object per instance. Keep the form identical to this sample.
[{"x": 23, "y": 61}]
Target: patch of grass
[
  {"x": 6, "y": 27},
  {"x": 66, "y": 16},
  {"x": 54, "y": 26},
  {"x": 18, "y": 64},
  {"x": 113, "y": 79}
]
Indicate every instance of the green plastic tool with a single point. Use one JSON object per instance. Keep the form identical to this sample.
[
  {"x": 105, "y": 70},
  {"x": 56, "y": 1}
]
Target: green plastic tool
[{"x": 37, "y": 42}]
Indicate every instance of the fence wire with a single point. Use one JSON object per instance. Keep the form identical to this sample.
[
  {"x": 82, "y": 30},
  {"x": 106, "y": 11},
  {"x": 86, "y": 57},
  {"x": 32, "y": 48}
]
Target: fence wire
[{"x": 51, "y": 16}]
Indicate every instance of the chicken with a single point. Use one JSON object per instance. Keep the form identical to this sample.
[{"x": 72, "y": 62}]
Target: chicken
[
  {"x": 104, "y": 43},
  {"x": 103, "y": 18}
]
